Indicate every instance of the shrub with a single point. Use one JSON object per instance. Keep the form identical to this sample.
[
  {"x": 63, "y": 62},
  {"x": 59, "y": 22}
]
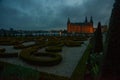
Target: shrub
[
  {"x": 72, "y": 43},
  {"x": 8, "y": 55},
  {"x": 20, "y": 46},
  {"x": 98, "y": 41},
  {"x": 5, "y": 43},
  {"x": 52, "y": 43},
  {"x": 31, "y": 57},
  {"x": 2, "y": 50},
  {"x": 53, "y": 49}
]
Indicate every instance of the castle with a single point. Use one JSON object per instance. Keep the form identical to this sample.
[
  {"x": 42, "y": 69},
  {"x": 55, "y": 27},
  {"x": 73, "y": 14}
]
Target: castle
[{"x": 85, "y": 27}]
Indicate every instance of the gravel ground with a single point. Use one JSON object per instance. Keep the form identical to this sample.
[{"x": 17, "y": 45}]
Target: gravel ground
[
  {"x": 28, "y": 43},
  {"x": 71, "y": 56}
]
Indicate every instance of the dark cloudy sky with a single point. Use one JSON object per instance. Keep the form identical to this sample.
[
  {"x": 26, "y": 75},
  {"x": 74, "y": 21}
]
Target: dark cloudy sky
[{"x": 51, "y": 14}]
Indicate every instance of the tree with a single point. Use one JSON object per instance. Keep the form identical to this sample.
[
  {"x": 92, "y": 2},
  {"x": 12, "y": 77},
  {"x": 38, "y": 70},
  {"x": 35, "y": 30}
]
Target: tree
[
  {"x": 111, "y": 62},
  {"x": 98, "y": 42}
]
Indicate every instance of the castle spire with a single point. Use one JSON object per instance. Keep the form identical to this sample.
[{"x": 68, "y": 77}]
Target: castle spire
[
  {"x": 68, "y": 22},
  {"x": 91, "y": 20},
  {"x": 86, "y": 21}
]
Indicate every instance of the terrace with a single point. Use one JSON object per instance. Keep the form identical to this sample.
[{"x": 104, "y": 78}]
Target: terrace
[{"x": 70, "y": 53}]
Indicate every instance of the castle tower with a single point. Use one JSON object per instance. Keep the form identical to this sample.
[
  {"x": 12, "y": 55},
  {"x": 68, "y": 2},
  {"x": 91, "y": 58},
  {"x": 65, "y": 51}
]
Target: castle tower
[
  {"x": 91, "y": 20},
  {"x": 80, "y": 27},
  {"x": 68, "y": 22},
  {"x": 68, "y": 25},
  {"x": 86, "y": 21}
]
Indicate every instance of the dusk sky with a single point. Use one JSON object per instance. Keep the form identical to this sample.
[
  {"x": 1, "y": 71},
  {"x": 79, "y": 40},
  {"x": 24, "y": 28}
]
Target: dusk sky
[{"x": 51, "y": 14}]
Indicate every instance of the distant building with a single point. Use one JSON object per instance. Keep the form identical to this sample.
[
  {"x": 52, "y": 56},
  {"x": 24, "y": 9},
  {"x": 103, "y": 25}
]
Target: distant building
[
  {"x": 85, "y": 27},
  {"x": 104, "y": 28}
]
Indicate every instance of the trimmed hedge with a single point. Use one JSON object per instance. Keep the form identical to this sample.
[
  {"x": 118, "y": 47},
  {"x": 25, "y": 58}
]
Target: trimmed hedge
[
  {"x": 28, "y": 56},
  {"x": 8, "y": 55},
  {"x": 5, "y": 43},
  {"x": 2, "y": 50},
  {"x": 53, "y": 49},
  {"x": 73, "y": 43},
  {"x": 61, "y": 44},
  {"x": 20, "y": 46},
  {"x": 52, "y": 43}
]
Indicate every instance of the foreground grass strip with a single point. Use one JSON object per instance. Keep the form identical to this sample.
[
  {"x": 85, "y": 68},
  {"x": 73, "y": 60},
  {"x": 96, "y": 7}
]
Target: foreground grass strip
[
  {"x": 80, "y": 69},
  {"x": 15, "y": 72},
  {"x": 48, "y": 76}
]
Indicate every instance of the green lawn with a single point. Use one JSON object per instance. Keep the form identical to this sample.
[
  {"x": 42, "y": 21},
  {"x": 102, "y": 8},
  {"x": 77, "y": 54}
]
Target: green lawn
[{"x": 15, "y": 72}]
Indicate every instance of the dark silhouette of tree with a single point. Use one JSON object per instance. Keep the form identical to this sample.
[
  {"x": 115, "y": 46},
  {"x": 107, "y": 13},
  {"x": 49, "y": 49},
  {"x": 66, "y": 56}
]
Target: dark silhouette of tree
[
  {"x": 111, "y": 62},
  {"x": 98, "y": 42}
]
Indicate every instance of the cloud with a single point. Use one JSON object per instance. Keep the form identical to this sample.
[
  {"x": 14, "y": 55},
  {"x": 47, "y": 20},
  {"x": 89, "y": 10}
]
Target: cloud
[
  {"x": 51, "y": 14},
  {"x": 99, "y": 9}
]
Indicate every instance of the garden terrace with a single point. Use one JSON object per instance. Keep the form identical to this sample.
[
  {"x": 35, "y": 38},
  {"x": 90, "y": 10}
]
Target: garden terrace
[{"x": 61, "y": 63}]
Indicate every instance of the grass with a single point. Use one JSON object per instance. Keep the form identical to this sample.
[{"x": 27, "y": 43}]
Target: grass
[
  {"x": 78, "y": 73},
  {"x": 16, "y": 72}
]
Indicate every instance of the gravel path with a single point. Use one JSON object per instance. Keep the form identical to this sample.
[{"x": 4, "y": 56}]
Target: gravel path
[
  {"x": 71, "y": 56},
  {"x": 28, "y": 43},
  {"x": 9, "y": 49}
]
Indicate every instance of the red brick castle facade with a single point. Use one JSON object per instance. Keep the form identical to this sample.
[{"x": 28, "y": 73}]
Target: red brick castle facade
[{"x": 85, "y": 27}]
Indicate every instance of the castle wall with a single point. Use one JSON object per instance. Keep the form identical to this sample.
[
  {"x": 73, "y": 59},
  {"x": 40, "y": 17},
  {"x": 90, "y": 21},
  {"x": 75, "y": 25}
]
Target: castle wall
[{"x": 80, "y": 29}]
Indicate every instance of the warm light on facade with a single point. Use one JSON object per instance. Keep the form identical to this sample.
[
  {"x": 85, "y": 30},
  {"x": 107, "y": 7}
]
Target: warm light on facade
[
  {"x": 80, "y": 29},
  {"x": 85, "y": 27}
]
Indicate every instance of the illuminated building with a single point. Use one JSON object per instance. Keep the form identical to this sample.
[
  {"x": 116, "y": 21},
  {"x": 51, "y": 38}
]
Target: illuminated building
[{"x": 85, "y": 27}]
